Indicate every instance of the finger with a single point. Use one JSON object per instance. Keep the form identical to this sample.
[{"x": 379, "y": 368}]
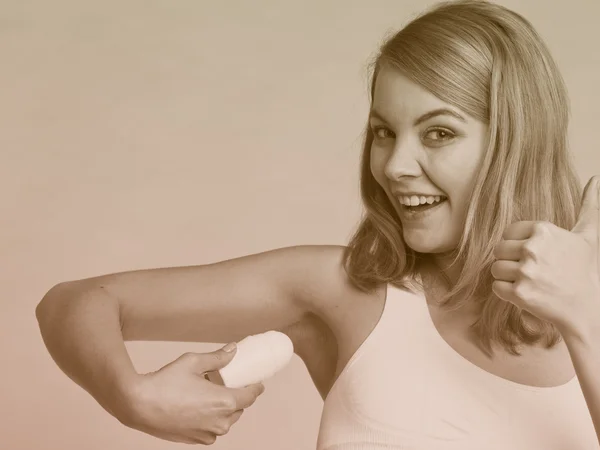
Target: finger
[
  {"x": 510, "y": 250},
  {"x": 202, "y": 363},
  {"x": 503, "y": 270},
  {"x": 505, "y": 291},
  {"x": 205, "y": 437},
  {"x": 173, "y": 438},
  {"x": 246, "y": 396},
  {"x": 181, "y": 439},
  {"x": 235, "y": 416},
  {"x": 220, "y": 427},
  {"x": 518, "y": 231},
  {"x": 223, "y": 424}
]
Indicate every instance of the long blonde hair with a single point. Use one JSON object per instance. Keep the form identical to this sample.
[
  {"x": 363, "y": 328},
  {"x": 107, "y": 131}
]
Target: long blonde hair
[{"x": 491, "y": 63}]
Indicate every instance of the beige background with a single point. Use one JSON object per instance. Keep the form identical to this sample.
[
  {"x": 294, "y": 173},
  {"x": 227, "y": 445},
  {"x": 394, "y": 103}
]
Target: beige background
[{"x": 140, "y": 134}]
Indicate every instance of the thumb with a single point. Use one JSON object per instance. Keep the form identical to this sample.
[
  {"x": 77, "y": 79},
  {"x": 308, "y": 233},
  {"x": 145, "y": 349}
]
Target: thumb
[
  {"x": 216, "y": 360},
  {"x": 589, "y": 214}
]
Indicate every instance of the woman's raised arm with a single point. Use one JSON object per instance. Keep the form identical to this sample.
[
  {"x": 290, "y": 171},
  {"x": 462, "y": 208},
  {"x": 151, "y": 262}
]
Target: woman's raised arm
[{"x": 84, "y": 324}]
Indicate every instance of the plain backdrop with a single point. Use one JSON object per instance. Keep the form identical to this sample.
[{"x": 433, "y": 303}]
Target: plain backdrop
[{"x": 138, "y": 134}]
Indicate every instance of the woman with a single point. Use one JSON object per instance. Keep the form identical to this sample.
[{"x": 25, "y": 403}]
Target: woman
[{"x": 460, "y": 315}]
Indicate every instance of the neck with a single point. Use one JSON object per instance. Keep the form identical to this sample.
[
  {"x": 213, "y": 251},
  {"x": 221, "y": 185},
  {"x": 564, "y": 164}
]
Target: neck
[
  {"x": 443, "y": 267},
  {"x": 439, "y": 275}
]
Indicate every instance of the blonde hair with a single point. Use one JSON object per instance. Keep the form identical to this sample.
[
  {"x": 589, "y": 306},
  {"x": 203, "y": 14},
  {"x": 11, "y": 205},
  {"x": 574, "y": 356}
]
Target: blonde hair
[{"x": 489, "y": 62}]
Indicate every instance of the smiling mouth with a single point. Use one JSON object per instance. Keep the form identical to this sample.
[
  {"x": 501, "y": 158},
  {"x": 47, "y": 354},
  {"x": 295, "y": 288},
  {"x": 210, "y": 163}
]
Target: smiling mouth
[{"x": 423, "y": 204}]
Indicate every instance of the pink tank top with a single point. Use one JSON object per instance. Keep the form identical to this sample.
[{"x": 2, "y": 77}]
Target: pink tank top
[{"x": 406, "y": 388}]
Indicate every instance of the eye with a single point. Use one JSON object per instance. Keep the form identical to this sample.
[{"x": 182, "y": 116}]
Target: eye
[
  {"x": 380, "y": 132},
  {"x": 439, "y": 135}
]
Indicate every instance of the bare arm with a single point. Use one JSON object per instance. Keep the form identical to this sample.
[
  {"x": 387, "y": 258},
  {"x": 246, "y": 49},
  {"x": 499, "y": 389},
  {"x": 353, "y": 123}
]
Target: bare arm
[
  {"x": 83, "y": 335},
  {"x": 585, "y": 355},
  {"x": 84, "y": 323}
]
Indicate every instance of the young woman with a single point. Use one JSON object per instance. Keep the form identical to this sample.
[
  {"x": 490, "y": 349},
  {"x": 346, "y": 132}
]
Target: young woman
[{"x": 463, "y": 313}]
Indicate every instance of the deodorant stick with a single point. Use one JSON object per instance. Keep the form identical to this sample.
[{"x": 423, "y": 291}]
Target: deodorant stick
[{"x": 258, "y": 357}]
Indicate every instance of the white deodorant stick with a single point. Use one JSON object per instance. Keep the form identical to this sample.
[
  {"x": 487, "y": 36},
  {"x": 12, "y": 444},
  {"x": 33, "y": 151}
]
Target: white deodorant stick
[{"x": 258, "y": 357}]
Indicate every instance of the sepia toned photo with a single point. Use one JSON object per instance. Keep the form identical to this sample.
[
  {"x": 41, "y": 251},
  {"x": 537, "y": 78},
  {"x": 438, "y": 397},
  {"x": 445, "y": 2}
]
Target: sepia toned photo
[{"x": 336, "y": 225}]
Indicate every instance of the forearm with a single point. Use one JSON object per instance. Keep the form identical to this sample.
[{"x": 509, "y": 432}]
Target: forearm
[
  {"x": 82, "y": 333},
  {"x": 585, "y": 355}
]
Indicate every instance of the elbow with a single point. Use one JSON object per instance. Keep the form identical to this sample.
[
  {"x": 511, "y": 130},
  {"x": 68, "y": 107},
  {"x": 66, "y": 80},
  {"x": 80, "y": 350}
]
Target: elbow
[{"x": 52, "y": 302}]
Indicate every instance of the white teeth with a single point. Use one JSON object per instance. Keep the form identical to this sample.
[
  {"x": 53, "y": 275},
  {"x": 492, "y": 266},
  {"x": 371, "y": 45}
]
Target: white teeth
[{"x": 415, "y": 200}]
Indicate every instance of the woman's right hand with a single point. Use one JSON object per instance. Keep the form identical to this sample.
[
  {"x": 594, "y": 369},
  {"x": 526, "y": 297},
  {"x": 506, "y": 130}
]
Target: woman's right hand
[{"x": 178, "y": 404}]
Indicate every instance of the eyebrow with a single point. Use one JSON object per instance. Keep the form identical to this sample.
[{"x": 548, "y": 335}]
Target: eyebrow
[{"x": 429, "y": 115}]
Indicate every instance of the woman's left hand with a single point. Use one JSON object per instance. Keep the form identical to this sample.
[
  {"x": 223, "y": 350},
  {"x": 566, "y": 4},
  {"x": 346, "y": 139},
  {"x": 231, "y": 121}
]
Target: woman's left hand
[{"x": 551, "y": 272}]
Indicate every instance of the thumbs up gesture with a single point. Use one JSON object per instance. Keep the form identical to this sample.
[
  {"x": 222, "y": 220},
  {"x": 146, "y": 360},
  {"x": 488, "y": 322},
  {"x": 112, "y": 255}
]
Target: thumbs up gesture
[{"x": 551, "y": 272}]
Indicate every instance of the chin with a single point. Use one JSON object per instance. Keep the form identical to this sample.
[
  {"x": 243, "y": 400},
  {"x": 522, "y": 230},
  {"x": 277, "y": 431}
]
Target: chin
[{"x": 426, "y": 244}]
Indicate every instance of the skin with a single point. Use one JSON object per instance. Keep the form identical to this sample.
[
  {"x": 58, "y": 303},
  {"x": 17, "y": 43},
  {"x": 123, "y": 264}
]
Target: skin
[
  {"x": 436, "y": 155},
  {"x": 555, "y": 274},
  {"x": 414, "y": 150},
  {"x": 301, "y": 291}
]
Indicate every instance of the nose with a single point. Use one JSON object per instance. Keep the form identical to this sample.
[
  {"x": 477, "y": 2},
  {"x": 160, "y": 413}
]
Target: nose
[{"x": 402, "y": 162}]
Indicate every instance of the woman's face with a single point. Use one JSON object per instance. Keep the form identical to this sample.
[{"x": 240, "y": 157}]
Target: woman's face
[{"x": 425, "y": 153}]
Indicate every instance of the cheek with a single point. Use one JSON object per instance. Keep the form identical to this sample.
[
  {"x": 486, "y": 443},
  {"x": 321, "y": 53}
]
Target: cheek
[
  {"x": 458, "y": 190},
  {"x": 465, "y": 184},
  {"x": 456, "y": 174}
]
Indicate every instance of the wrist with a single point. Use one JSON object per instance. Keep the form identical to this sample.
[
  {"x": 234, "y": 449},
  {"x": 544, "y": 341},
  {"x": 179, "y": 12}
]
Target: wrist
[
  {"x": 583, "y": 326},
  {"x": 136, "y": 395},
  {"x": 585, "y": 332},
  {"x": 122, "y": 398}
]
